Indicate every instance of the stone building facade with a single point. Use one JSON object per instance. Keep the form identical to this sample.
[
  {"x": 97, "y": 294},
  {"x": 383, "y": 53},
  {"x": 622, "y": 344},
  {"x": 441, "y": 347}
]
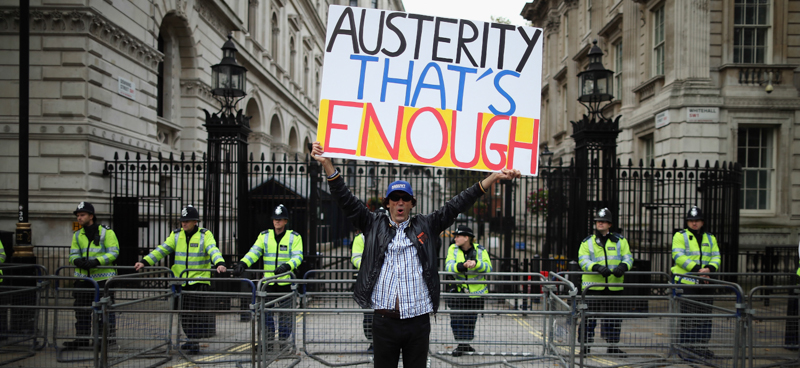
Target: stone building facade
[
  {"x": 84, "y": 51},
  {"x": 694, "y": 80}
]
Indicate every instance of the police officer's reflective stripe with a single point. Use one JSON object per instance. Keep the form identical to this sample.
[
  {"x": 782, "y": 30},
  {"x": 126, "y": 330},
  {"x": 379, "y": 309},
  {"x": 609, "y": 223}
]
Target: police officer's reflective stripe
[{"x": 686, "y": 245}]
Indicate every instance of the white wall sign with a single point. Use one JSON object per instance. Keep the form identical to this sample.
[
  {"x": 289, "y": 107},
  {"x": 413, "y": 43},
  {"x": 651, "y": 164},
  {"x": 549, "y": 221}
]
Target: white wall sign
[
  {"x": 702, "y": 114},
  {"x": 127, "y": 88},
  {"x": 434, "y": 91},
  {"x": 662, "y": 119}
]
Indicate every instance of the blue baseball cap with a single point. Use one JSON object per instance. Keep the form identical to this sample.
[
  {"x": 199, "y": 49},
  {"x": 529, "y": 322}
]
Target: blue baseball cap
[{"x": 399, "y": 185}]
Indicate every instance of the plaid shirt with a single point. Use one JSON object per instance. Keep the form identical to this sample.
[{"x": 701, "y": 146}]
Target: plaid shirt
[{"x": 401, "y": 277}]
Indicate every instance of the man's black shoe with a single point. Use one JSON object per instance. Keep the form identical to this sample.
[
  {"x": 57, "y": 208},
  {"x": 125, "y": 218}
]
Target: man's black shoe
[
  {"x": 705, "y": 353},
  {"x": 78, "y": 343},
  {"x": 616, "y": 351},
  {"x": 461, "y": 349},
  {"x": 191, "y": 348}
]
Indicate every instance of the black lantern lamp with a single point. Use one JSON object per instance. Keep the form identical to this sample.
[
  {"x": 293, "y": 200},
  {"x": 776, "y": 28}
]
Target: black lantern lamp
[
  {"x": 595, "y": 82},
  {"x": 228, "y": 77}
]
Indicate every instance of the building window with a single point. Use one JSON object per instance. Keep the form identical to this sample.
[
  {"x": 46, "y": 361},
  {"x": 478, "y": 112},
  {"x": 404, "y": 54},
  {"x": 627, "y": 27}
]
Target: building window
[
  {"x": 589, "y": 15},
  {"x": 564, "y": 107},
  {"x": 292, "y": 54},
  {"x": 565, "y": 42},
  {"x": 750, "y": 31},
  {"x": 306, "y": 79},
  {"x": 375, "y": 4},
  {"x": 658, "y": 41},
  {"x": 251, "y": 18},
  {"x": 274, "y": 37},
  {"x": 160, "y": 80},
  {"x": 618, "y": 70},
  {"x": 353, "y": 2},
  {"x": 755, "y": 156}
]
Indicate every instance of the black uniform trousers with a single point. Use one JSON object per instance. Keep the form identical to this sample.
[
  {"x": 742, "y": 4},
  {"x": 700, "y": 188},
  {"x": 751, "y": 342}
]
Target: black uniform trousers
[
  {"x": 391, "y": 336},
  {"x": 610, "y": 328},
  {"x": 463, "y": 324},
  {"x": 195, "y": 326},
  {"x": 83, "y": 317},
  {"x": 791, "y": 338},
  {"x": 696, "y": 330}
]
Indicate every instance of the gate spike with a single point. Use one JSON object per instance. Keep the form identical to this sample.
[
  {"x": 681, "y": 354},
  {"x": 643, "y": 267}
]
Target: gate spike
[
  {"x": 149, "y": 156},
  {"x": 116, "y": 156},
  {"x": 262, "y": 156},
  {"x": 127, "y": 156},
  {"x": 273, "y": 157},
  {"x": 641, "y": 163},
  {"x": 193, "y": 156},
  {"x": 138, "y": 156},
  {"x": 716, "y": 164},
  {"x": 251, "y": 156},
  {"x": 183, "y": 156},
  {"x": 171, "y": 156},
  {"x": 708, "y": 165},
  {"x": 204, "y": 157},
  {"x": 630, "y": 161},
  {"x": 724, "y": 165},
  {"x": 160, "y": 156},
  {"x": 696, "y": 163},
  {"x": 685, "y": 164}
]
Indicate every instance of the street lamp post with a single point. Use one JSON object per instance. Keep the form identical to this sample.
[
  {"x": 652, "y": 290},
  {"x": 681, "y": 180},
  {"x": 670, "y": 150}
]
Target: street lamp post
[
  {"x": 595, "y": 138},
  {"x": 227, "y": 130}
]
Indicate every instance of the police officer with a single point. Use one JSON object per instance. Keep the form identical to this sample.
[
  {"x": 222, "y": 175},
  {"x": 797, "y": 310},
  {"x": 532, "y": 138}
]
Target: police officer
[
  {"x": 93, "y": 246},
  {"x": 194, "y": 247},
  {"x": 282, "y": 250},
  {"x": 695, "y": 250},
  {"x": 467, "y": 256},
  {"x": 355, "y": 259},
  {"x": 608, "y": 256}
]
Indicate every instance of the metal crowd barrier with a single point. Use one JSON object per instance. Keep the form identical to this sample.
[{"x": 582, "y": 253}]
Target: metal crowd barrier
[
  {"x": 662, "y": 323},
  {"x": 336, "y": 331},
  {"x": 22, "y": 325},
  {"x": 138, "y": 320},
  {"x": 773, "y": 339}
]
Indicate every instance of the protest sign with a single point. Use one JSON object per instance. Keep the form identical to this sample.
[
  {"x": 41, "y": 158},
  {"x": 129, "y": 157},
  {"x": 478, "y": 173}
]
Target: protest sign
[{"x": 418, "y": 89}]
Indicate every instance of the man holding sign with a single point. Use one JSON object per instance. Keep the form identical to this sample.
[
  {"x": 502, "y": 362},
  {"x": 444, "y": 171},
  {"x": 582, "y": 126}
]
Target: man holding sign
[{"x": 398, "y": 277}]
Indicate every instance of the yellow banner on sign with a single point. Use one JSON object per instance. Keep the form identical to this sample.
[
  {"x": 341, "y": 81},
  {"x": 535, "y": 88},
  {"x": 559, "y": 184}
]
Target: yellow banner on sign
[{"x": 440, "y": 137}]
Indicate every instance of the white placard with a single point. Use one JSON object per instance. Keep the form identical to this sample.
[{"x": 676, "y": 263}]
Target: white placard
[
  {"x": 702, "y": 114},
  {"x": 662, "y": 119},
  {"x": 425, "y": 90},
  {"x": 126, "y": 88}
]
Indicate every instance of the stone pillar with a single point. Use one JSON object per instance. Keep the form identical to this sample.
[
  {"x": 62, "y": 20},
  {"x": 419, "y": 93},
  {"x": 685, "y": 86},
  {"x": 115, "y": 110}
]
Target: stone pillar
[
  {"x": 631, "y": 23},
  {"x": 692, "y": 36}
]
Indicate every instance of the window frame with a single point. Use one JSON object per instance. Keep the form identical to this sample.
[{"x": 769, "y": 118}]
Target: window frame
[
  {"x": 768, "y": 27},
  {"x": 659, "y": 45},
  {"x": 772, "y": 176},
  {"x": 618, "y": 70}
]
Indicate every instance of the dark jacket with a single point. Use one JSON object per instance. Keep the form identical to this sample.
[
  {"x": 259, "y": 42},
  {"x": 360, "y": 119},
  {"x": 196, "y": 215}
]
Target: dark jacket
[{"x": 423, "y": 231}]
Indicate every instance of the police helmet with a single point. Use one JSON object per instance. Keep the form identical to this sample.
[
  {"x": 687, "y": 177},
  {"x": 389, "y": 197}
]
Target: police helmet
[
  {"x": 603, "y": 215},
  {"x": 281, "y": 212},
  {"x": 189, "y": 213},
  {"x": 463, "y": 230},
  {"x": 84, "y": 207},
  {"x": 695, "y": 213}
]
